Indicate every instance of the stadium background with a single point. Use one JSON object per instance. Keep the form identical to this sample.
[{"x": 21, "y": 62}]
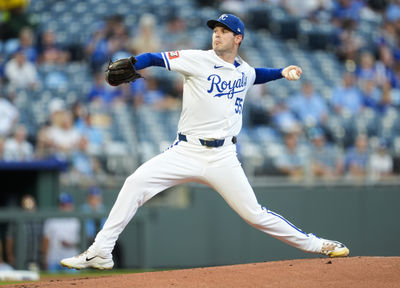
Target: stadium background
[{"x": 81, "y": 135}]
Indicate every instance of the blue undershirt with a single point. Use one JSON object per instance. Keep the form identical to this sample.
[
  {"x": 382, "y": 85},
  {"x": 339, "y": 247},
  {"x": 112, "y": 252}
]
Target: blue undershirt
[
  {"x": 263, "y": 75},
  {"x": 149, "y": 59}
]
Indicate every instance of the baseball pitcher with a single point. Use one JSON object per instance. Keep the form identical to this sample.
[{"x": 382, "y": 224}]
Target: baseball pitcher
[{"x": 215, "y": 86}]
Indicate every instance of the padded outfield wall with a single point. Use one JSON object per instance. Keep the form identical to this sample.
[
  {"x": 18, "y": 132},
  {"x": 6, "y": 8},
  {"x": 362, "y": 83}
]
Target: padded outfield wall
[
  {"x": 192, "y": 226},
  {"x": 207, "y": 232}
]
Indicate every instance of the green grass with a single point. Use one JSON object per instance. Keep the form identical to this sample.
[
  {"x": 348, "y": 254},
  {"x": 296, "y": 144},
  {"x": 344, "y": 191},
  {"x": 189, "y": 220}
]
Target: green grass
[
  {"x": 81, "y": 274},
  {"x": 93, "y": 273}
]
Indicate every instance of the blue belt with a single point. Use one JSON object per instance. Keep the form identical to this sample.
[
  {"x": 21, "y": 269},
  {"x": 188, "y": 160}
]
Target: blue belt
[{"x": 208, "y": 143}]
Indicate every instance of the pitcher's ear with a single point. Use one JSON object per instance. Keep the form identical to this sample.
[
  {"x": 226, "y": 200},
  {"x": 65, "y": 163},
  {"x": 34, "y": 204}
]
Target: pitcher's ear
[{"x": 239, "y": 38}]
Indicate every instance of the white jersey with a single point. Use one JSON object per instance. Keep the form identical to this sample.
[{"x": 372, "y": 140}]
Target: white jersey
[
  {"x": 213, "y": 92},
  {"x": 59, "y": 230}
]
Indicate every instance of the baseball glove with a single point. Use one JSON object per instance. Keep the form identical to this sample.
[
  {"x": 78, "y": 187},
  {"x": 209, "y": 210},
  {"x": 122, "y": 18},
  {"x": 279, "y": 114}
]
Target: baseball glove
[{"x": 122, "y": 71}]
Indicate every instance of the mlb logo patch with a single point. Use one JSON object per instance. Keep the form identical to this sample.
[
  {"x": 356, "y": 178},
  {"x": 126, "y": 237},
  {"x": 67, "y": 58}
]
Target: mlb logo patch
[{"x": 173, "y": 55}]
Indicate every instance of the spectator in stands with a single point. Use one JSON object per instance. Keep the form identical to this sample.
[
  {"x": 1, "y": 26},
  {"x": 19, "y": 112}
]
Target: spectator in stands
[
  {"x": 119, "y": 32},
  {"x": 381, "y": 162},
  {"x": 151, "y": 95},
  {"x": 309, "y": 106},
  {"x": 101, "y": 93},
  {"x": 44, "y": 148},
  {"x": 79, "y": 112},
  {"x": 387, "y": 35},
  {"x": 349, "y": 43},
  {"x": 387, "y": 99},
  {"x": 260, "y": 104},
  {"x": 292, "y": 161},
  {"x": 27, "y": 44},
  {"x": 61, "y": 133},
  {"x": 176, "y": 34},
  {"x": 18, "y": 148},
  {"x": 347, "y": 99},
  {"x": 174, "y": 91},
  {"x": 95, "y": 136},
  {"x": 31, "y": 233},
  {"x": 84, "y": 124},
  {"x": 97, "y": 47},
  {"x": 356, "y": 160},
  {"x": 283, "y": 119},
  {"x": 61, "y": 236},
  {"x": 86, "y": 168},
  {"x": 94, "y": 204},
  {"x": 326, "y": 160},
  {"x": 370, "y": 94},
  {"x": 56, "y": 109},
  {"x": 50, "y": 52},
  {"x": 111, "y": 36},
  {"x": 119, "y": 42},
  {"x": 366, "y": 68},
  {"x": 81, "y": 160},
  {"x": 146, "y": 38},
  {"x": 345, "y": 10},
  {"x": 20, "y": 72},
  {"x": 385, "y": 67},
  {"x": 9, "y": 116},
  {"x": 322, "y": 13}
]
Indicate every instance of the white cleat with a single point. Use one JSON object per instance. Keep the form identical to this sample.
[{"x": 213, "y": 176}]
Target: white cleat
[
  {"x": 334, "y": 249},
  {"x": 88, "y": 260}
]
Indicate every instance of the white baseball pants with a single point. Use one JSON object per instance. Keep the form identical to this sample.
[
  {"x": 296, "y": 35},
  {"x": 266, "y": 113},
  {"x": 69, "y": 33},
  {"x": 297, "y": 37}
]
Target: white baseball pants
[{"x": 188, "y": 162}]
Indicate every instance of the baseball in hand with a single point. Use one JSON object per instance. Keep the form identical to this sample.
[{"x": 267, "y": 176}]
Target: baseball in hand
[{"x": 293, "y": 75}]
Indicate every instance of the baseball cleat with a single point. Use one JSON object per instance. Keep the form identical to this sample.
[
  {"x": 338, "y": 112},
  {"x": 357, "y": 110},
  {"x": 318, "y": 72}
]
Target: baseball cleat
[
  {"x": 88, "y": 260},
  {"x": 334, "y": 249}
]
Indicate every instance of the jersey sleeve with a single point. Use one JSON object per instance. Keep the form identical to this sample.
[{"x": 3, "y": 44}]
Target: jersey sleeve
[
  {"x": 264, "y": 75},
  {"x": 149, "y": 59},
  {"x": 186, "y": 62}
]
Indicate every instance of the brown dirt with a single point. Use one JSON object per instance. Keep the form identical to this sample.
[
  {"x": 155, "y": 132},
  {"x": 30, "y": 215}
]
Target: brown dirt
[{"x": 352, "y": 272}]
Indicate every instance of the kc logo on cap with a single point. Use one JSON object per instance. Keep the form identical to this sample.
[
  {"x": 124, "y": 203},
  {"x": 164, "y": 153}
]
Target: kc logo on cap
[{"x": 230, "y": 21}]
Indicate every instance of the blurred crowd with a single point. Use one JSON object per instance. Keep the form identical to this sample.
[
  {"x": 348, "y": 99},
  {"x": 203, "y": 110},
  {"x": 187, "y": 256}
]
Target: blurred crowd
[
  {"x": 76, "y": 132},
  {"x": 364, "y": 107},
  {"x": 79, "y": 131}
]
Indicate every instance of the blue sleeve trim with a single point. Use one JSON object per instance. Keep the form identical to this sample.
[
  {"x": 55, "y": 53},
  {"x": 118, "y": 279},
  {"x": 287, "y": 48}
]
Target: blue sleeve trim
[
  {"x": 164, "y": 55},
  {"x": 149, "y": 59},
  {"x": 263, "y": 75}
]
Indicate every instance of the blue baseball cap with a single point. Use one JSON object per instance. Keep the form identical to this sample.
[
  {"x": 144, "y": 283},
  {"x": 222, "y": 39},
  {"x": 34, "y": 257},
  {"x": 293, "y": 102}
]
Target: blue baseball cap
[
  {"x": 230, "y": 21},
  {"x": 94, "y": 191},
  {"x": 65, "y": 198}
]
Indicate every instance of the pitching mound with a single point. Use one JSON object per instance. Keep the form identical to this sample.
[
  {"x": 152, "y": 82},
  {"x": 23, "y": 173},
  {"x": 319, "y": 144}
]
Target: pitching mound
[{"x": 346, "y": 272}]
